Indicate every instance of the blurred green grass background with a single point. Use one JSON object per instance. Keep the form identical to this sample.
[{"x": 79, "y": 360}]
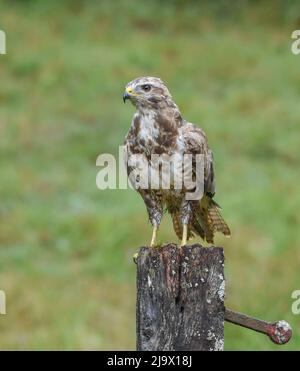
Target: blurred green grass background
[{"x": 66, "y": 247}]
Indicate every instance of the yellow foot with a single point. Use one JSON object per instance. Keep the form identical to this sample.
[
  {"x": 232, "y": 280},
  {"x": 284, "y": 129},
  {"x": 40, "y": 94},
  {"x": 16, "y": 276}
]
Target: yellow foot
[
  {"x": 184, "y": 235},
  {"x": 153, "y": 239}
]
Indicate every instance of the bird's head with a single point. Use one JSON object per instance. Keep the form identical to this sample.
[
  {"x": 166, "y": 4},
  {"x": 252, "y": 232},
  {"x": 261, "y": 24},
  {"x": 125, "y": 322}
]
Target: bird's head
[{"x": 147, "y": 92}]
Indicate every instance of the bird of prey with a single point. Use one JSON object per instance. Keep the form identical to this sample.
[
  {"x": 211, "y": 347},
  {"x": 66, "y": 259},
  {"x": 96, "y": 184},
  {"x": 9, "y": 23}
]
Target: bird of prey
[{"x": 158, "y": 128}]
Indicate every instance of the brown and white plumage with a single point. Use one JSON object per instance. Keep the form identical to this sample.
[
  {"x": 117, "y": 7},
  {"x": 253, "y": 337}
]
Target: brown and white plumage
[{"x": 158, "y": 128}]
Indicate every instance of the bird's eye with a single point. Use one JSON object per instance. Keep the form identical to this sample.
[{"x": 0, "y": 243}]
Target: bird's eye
[{"x": 146, "y": 87}]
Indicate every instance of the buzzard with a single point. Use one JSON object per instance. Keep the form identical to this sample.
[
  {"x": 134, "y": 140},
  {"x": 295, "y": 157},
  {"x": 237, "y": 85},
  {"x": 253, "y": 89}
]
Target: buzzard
[{"x": 158, "y": 128}]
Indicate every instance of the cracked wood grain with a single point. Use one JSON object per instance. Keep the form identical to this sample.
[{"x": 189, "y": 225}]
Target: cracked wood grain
[{"x": 180, "y": 298}]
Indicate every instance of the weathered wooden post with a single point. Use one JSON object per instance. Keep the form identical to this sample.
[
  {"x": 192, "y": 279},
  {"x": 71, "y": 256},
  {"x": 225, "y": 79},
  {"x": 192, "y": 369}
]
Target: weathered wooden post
[{"x": 180, "y": 298}]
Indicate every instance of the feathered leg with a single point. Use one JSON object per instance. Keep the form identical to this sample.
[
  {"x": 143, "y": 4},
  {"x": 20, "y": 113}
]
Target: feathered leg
[
  {"x": 186, "y": 214},
  {"x": 153, "y": 201},
  {"x": 154, "y": 206}
]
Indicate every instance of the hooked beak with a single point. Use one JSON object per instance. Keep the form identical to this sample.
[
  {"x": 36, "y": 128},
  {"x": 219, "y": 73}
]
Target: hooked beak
[
  {"x": 125, "y": 96},
  {"x": 127, "y": 93}
]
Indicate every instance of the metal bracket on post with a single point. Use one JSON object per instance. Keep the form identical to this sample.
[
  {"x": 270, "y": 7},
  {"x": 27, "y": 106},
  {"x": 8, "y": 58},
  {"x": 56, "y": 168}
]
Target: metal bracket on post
[{"x": 279, "y": 332}]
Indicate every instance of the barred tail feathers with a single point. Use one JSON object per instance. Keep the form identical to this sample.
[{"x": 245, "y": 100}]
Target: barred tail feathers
[
  {"x": 177, "y": 224},
  {"x": 208, "y": 220}
]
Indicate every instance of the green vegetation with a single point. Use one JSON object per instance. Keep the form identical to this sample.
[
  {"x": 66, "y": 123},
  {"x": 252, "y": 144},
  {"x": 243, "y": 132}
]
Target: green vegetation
[{"x": 65, "y": 247}]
